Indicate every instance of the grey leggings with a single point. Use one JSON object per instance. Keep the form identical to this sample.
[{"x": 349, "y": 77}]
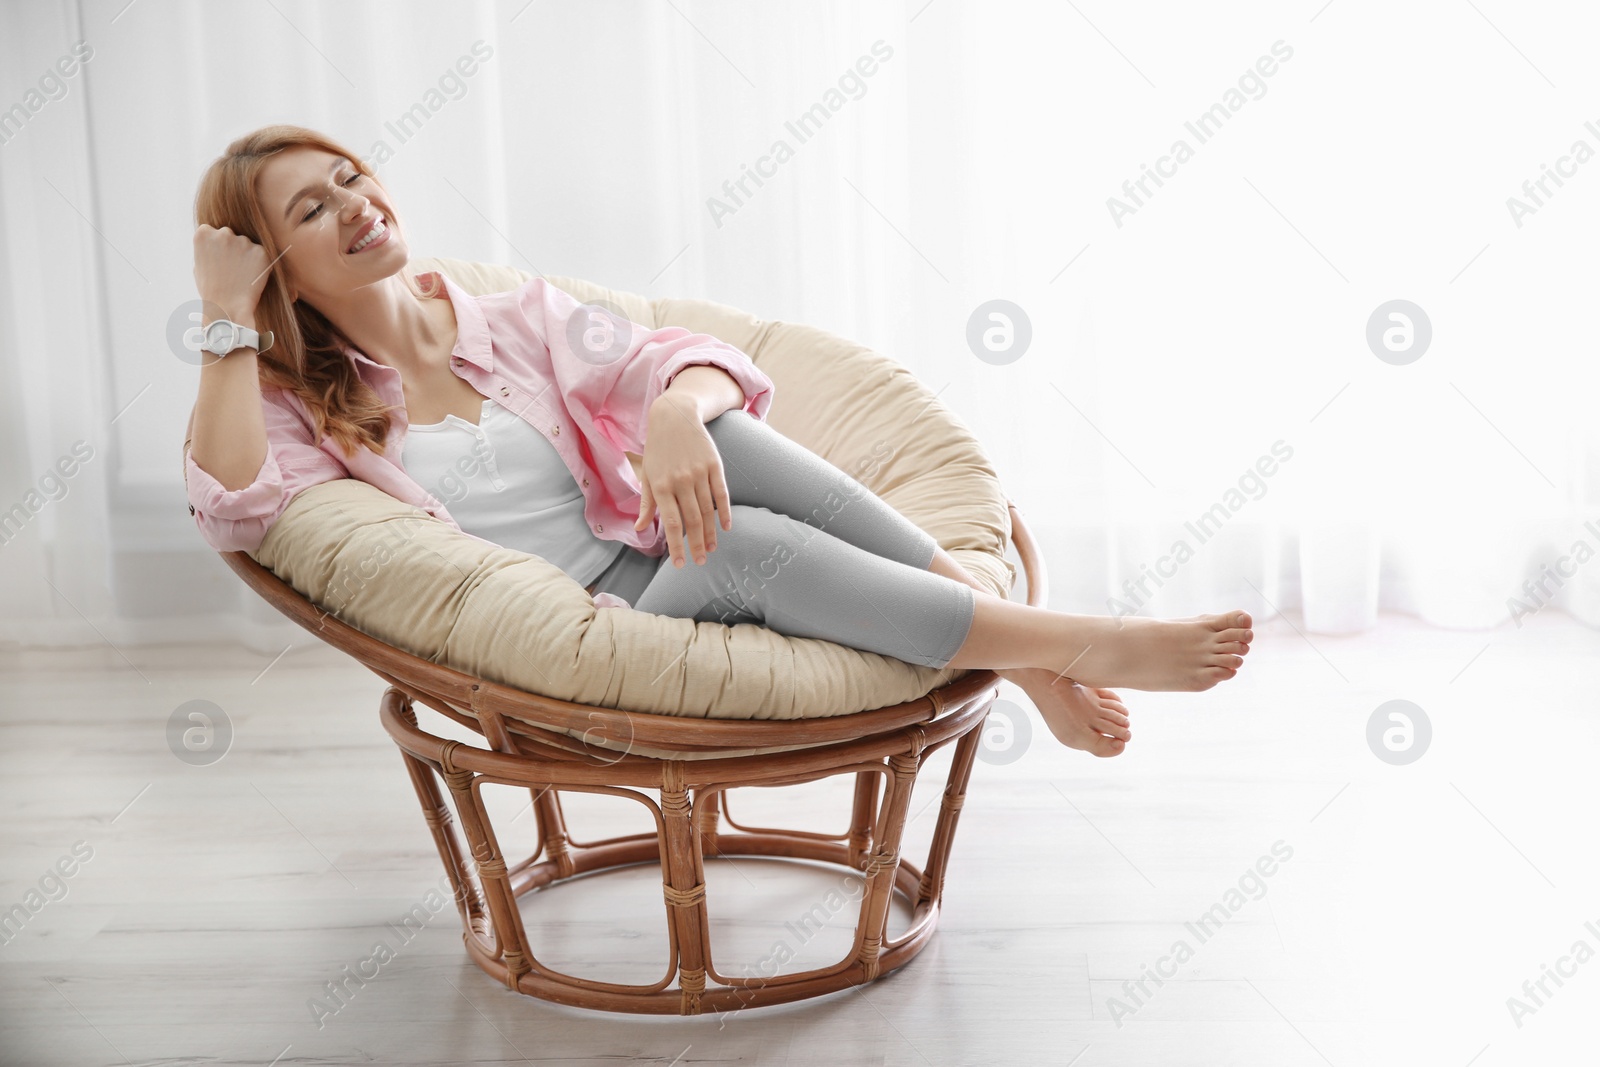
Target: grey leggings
[{"x": 812, "y": 553}]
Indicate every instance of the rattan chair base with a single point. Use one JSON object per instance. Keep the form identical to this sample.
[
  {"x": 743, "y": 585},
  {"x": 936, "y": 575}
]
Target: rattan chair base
[{"x": 692, "y": 826}]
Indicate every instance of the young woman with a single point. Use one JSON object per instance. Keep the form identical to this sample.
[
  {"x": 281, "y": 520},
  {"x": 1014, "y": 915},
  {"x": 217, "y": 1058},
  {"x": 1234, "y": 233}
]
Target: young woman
[{"x": 600, "y": 445}]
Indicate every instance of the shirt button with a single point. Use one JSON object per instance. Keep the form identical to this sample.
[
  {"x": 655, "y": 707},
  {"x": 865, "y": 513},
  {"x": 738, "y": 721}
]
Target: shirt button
[
  {"x": 585, "y": 485},
  {"x": 504, "y": 391},
  {"x": 455, "y": 361},
  {"x": 599, "y": 528},
  {"x": 557, "y": 431}
]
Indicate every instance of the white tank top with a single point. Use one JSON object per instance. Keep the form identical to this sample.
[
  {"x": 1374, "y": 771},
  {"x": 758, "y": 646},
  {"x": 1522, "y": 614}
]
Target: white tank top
[{"x": 504, "y": 481}]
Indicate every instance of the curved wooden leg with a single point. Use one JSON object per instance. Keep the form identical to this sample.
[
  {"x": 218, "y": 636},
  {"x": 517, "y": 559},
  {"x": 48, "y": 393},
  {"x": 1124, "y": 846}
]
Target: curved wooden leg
[
  {"x": 884, "y": 860},
  {"x": 686, "y": 890},
  {"x": 863, "y": 813},
  {"x": 931, "y": 890}
]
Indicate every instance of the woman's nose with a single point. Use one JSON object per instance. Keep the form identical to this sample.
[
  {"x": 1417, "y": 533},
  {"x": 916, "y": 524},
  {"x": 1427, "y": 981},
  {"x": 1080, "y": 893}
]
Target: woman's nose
[{"x": 353, "y": 204}]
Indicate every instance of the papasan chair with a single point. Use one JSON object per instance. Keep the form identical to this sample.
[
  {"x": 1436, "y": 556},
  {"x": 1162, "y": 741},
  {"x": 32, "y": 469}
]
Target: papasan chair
[{"x": 666, "y": 712}]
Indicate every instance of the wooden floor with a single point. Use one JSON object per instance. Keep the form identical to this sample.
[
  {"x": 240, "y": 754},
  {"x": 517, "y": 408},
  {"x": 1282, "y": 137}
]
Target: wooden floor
[{"x": 209, "y": 907}]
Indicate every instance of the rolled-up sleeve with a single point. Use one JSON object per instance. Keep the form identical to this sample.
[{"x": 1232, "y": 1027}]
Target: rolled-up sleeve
[
  {"x": 238, "y": 519},
  {"x": 616, "y": 391}
]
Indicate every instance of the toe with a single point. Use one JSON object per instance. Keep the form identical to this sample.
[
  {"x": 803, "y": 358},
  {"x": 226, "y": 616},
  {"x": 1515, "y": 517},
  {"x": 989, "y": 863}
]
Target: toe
[
  {"x": 1225, "y": 660},
  {"x": 1108, "y": 746},
  {"x": 1111, "y": 729}
]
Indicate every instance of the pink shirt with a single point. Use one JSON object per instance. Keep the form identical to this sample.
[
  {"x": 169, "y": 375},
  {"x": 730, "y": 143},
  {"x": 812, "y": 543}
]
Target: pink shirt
[{"x": 515, "y": 347}]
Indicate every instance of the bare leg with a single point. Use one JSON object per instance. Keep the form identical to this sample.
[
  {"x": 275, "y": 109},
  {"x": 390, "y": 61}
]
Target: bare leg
[
  {"x": 1094, "y": 721},
  {"x": 1079, "y": 716}
]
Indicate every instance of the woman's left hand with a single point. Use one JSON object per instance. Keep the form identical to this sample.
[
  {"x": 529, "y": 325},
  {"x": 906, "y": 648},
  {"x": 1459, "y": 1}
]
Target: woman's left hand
[{"x": 682, "y": 478}]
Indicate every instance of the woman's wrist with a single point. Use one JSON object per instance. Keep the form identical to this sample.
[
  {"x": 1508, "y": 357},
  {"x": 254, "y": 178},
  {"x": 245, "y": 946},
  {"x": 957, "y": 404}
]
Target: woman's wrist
[
  {"x": 684, "y": 402},
  {"x": 232, "y": 308},
  {"x": 217, "y": 311},
  {"x": 705, "y": 391}
]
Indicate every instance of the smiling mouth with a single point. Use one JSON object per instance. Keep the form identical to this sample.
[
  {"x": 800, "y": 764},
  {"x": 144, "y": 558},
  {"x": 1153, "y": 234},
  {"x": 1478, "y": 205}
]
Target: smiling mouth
[{"x": 374, "y": 235}]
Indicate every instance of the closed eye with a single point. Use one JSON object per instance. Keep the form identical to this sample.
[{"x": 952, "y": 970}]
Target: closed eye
[{"x": 317, "y": 210}]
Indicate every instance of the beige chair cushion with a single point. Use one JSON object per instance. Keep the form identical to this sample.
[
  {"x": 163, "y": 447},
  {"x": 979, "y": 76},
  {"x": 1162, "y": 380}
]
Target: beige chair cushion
[{"x": 514, "y": 618}]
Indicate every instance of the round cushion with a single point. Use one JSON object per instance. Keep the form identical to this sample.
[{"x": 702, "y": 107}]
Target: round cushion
[{"x": 410, "y": 580}]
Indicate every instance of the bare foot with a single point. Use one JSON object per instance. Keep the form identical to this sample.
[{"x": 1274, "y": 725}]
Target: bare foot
[
  {"x": 1093, "y": 720},
  {"x": 1179, "y": 655}
]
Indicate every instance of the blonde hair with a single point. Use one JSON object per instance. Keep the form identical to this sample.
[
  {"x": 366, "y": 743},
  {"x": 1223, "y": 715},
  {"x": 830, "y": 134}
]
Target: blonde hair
[{"x": 306, "y": 357}]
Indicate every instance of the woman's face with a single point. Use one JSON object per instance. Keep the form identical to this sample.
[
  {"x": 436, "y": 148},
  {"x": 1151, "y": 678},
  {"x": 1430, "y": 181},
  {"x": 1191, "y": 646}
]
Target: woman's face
[{"x": 319, "y": 208}]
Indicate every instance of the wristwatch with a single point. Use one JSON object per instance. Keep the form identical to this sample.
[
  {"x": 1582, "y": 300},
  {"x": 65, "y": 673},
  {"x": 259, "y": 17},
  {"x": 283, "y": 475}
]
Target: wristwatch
[{"x": 224, "y": 335}]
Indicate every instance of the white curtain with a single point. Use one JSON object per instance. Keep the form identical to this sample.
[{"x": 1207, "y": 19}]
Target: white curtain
[{"x": 1198, "y": 421}]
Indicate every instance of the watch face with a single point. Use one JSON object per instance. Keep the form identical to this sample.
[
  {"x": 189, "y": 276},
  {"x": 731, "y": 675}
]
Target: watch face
[{"x": 220, "y": 337}]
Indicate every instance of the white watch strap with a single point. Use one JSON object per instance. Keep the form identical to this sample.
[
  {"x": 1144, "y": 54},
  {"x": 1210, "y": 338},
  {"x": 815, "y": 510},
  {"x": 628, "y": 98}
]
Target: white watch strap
[{"x": 243, "y": 337}]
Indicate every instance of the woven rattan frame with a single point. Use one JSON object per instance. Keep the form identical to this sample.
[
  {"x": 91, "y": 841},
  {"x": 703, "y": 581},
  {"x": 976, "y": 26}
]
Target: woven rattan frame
[{"x": 531, "y": 744}]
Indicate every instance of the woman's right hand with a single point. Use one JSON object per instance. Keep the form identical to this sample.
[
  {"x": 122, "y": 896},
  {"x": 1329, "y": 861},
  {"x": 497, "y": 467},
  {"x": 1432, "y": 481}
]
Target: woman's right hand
[{"x": 230, "y": 271}]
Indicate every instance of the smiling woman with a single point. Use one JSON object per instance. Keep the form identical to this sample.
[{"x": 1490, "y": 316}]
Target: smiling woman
[
  {"x": 280, "y": 213},
  {"x": 297, "y": 232}
]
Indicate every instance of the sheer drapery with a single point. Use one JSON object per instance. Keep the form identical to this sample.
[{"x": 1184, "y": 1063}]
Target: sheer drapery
[{"x": 1198, "y": 225}]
